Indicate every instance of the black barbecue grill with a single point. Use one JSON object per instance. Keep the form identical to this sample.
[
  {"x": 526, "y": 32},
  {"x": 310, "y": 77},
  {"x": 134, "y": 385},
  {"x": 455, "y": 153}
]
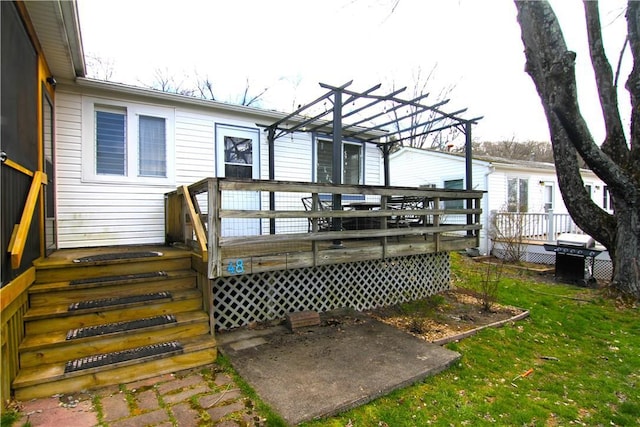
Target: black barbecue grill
[{"x": 575, "y": 258}]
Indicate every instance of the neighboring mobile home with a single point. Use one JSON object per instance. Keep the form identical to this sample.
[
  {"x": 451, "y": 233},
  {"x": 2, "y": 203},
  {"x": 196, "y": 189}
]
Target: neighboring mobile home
[
  {"x": 159, "y": 218},
  {"x": 511, "y": 185}
]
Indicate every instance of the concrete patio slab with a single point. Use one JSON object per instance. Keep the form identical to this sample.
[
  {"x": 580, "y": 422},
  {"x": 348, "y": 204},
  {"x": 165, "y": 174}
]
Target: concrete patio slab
[{"x": 323, "y": 370}]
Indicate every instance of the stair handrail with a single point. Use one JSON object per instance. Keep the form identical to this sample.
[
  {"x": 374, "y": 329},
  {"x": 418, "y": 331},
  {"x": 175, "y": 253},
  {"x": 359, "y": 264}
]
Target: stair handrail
[
  {"x": 21, "y": 230},
  {"x": 201, "y": 235}
]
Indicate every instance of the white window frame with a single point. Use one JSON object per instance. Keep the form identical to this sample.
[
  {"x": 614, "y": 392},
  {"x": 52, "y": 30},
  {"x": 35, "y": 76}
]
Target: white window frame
[
  {"x": 361, "y": 146},
  {"x": 546, "y": 187},
  {"x": 133, "y": 111},
  {"x": 519, "y": 196}
]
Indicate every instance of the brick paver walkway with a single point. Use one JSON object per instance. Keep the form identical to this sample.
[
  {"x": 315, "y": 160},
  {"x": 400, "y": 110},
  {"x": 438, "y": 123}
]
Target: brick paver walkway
[{"x": 198, "y": 397}]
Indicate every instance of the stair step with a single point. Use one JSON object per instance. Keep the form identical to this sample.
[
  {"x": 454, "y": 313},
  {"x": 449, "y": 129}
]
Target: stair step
[
  {"x": 111, "y": 328},
  {"x": 119, "y": 278},
  {"x": 61, "y": 338},
  {"x": 64, "y": 293},
  {"x": 121, "y": 301},
  {"x": 46, "y": 380},
  {"x": 54, "y": 347},
  {"x": 117, "y": 256},
  {"x": 40, "y": 320},
  {"x": 60, "y": 267},
  {"x": 147, "y": 352},
  {"x": 61, "y": 351}
]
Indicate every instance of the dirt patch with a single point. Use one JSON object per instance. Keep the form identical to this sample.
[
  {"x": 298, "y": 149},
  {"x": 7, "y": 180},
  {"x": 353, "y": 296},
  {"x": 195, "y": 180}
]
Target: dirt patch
[{"x": 445, "y": 315}]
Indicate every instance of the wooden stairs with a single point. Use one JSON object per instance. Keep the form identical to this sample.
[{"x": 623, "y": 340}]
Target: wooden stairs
[{"x": 111, "y": 320}]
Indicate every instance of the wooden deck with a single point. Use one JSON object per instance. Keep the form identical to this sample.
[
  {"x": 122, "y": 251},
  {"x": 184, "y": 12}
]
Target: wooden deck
[{"x": 383, "y": 222}]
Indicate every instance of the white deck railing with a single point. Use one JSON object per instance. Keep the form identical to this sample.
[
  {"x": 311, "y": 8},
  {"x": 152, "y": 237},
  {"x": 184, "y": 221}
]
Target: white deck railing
[{"x": 531, "y": 226}]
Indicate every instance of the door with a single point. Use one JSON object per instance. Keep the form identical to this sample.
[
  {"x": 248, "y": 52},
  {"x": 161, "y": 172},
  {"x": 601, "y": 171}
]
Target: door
[
  {"x": 50, "y": 232},
  {"x": 238, "y": 154}
]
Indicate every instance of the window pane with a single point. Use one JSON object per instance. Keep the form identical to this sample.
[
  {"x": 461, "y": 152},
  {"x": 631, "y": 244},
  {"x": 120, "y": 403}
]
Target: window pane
[
  {"x": 512, "y": 195},
  {"x": 238, "y": 150},
  {"x": 352, "y": 163},
  {"x": 152, "y": 146},
  {"x": 524, "y": 195},
  {"x": 548, "y": 197},
  {"x": 454, "y": 184},
  {"x": 324, "y": 172},
  {"x": 110, "y": 143},
  {"x": 238, "y": 171}
]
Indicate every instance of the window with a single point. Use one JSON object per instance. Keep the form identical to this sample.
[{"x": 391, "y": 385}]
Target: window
[
  {"x": 238, "y": 157},
  {"x": 454, "y": 184},
  {"x": 606, "y": 199},
  {"x": 588, "y": 189},
  {"x": 517, "y": 195},
  {"x": 126, "y": 142},
  {"x": 110, "y": 142},
  {"x": 548, "y": 197},
  {"x": 351, "y": 162},
  {"x": 152, "y": 146}
]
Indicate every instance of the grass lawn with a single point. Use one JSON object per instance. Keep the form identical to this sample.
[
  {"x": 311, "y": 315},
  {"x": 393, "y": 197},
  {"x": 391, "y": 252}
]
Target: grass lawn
[{"x": 583, "y": 350}]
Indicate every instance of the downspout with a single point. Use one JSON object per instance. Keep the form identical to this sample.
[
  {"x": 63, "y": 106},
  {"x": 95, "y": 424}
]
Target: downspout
[{"x": 485, "y": 210}]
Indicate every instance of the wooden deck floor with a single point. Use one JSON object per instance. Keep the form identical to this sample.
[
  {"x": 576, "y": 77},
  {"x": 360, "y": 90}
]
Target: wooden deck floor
[{"x": 66, "y": 256}]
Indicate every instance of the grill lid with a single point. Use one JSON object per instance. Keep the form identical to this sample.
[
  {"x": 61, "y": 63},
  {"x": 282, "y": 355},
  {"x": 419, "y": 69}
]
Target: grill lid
[{"x": 576, "y": 240}]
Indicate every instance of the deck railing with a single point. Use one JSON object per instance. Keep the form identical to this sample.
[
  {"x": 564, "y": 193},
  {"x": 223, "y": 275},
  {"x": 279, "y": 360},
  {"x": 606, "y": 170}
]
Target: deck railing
[
  {"x": 14, "y": 302},
  {"x": 544, "y": 226},
  {"x": 254, "y": 226}
]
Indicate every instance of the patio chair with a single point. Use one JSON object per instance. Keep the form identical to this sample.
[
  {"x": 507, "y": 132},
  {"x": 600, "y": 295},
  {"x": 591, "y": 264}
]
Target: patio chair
[{"x": 324, "y": 224}]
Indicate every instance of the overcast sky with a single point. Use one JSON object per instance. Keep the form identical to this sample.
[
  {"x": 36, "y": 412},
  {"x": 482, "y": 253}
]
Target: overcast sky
[{"x": 291, "y": 45}]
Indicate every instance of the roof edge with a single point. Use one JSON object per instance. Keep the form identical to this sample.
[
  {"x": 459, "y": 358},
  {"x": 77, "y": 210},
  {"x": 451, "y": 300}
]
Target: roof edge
[{"x": 71, "y": 22}]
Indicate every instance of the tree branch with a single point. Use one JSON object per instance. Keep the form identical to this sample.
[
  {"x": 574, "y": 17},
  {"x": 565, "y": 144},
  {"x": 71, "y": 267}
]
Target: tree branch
[
  {"x": 633, "y": 83},
  {"x": 615, "y": 144},
  {"x": 552, "y": 69}
]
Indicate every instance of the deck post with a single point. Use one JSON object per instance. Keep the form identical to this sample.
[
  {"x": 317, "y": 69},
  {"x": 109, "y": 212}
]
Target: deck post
[
  {"x": 336, "y": 173},
  {"x": 215, "y": 202},
  {"x": 468, "y": 154},
  {"x": 551, "y": 232},
  {"x": 271, "y": 136}
]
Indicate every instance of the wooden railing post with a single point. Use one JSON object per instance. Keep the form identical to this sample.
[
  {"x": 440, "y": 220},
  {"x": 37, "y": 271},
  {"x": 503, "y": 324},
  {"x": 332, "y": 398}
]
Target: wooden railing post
[
  {"x": 436, "y": 223},
  {"x": 315, "y": 206},
  {"x": 215, "y": 228},
  {"x": 551, "y": 233}
]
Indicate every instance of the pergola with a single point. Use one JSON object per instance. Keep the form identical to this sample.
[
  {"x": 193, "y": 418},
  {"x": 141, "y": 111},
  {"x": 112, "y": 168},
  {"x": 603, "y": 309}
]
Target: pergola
[{"x": 353, "y": 116}]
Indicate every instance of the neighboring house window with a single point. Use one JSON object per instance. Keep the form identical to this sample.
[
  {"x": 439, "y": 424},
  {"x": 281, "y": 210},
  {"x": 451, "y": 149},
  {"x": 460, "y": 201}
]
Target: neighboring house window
[
  {"x": 351, "y": 163},
  {"x": 454, "y": 184},
  {"x": 588, "y": 189},
  {"x": 548, "y": 197},
  {"x": 126, "y": 142},
  {"x": 518, "y": 195},
  {"x": 606, "y": 199}
]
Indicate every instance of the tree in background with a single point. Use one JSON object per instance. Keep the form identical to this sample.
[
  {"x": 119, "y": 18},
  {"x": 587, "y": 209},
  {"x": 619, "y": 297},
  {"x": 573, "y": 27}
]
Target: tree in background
[
  {"x": 616, "y": 161},
  {"x": 417, "y": 135},
  {"x": 535, "y": 151},
  {"x": 99, "y": 68},
  {"x": 200, "y": 87}
]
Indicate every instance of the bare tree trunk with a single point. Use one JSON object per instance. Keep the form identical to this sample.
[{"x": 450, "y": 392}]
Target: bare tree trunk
[{"x": 552, "y": 69}]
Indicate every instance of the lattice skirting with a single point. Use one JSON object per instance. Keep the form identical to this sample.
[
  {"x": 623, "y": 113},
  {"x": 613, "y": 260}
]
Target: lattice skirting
[
  {"x": 602, "y": 268},
  {"x": 240, "y": 300}
]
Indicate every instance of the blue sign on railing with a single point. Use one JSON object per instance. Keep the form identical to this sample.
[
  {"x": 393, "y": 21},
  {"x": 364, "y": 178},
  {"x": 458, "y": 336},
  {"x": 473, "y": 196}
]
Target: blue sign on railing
[{"x": 236, "y": 267}]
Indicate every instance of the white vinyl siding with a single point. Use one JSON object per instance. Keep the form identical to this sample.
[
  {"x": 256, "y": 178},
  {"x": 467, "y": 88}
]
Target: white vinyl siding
[
  {"x": 115, "y": 210},
  {"x": 99, "y": 213}
]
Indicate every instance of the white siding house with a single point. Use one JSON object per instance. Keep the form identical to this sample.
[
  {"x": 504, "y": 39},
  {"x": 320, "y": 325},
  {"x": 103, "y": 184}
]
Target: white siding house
[
  {"x": 511, "y": 185},
  {"x": 125, "y": 205}
]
